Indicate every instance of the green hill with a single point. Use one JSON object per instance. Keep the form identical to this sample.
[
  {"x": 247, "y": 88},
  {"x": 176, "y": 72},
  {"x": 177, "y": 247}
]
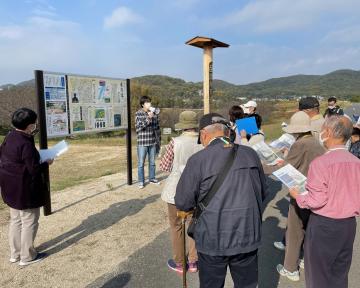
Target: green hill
[{"x": 176, "y": 93}]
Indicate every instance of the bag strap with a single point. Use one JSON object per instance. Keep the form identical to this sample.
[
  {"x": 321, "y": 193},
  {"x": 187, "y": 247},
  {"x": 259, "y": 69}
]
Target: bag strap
[{"x": 218, "y": 182}]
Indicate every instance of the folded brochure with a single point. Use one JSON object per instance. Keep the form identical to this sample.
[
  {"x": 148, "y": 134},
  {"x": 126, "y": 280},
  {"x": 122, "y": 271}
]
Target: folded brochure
[
  {"x": 266, "y": 154},
  {"x": 291, "y": 177}
]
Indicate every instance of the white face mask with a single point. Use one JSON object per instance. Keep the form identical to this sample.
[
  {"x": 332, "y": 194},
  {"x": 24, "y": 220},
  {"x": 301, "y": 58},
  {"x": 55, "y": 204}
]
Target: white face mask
[
  {"x": 147, "y": 105},
  {"x": 322, "y": 141}
]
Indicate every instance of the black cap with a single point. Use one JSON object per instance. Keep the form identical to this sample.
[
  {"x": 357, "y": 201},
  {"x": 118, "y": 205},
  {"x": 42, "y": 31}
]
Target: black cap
[
  {"x": 210, "y": 119},
  {"x": 308, "y": 103}
]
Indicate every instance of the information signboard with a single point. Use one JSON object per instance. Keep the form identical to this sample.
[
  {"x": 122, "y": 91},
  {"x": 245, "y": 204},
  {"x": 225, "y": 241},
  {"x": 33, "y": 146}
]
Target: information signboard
[
  {"x": 97, "y": 104},
  {"x": 56, "y": 105}
]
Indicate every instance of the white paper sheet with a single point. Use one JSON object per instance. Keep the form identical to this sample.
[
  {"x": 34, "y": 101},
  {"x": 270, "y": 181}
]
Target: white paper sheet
[
  {"x": 266, "y": 154},
  {"x": 53, "y": 152},
  {"x": 285, "y": 141}
]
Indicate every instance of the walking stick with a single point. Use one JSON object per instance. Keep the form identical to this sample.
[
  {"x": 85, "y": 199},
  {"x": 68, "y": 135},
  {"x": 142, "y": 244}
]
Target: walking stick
[{"x": 183, "y": 216}]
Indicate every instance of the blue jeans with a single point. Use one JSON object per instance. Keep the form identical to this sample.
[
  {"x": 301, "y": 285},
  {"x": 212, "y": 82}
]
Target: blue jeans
[{"x": 142, "y": 151}]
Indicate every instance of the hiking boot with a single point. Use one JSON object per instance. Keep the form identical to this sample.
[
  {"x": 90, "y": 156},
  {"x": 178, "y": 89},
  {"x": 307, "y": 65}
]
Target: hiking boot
[
  {"x": 38, "y": 258},
  {"x": 155, "y": 181},
  {"x": 293, "y": 276},
  {"x": 174, "y": 266},
  {"x": 279, "y": 245},
  {"x": 192, "y": 267}
]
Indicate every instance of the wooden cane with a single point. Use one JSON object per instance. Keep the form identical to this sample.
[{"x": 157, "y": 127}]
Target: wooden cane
[{"x": 183, "y": 215}]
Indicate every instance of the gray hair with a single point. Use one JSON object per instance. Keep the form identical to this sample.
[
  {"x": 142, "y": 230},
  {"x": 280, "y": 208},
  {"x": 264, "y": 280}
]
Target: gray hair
[
  {"x": 340, "y": 126},
  {"x": 216, "y": 128}
]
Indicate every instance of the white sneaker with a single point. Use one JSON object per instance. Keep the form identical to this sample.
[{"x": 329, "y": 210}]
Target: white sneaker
[
  {"x": 293, "y": 276},
  {"x": 38, "y": 258},
  {"x": 141, "y": 186},
  {"x": 279, "y": 245},
  {"x": 302, "y": 264},
  {"x": 14, "y": 260},
  {"x": 155, "y": 181}
]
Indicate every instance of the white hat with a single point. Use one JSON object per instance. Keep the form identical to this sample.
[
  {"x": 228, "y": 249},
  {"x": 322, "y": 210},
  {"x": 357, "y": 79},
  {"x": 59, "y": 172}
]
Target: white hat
[{"x": 250, "y": 103}]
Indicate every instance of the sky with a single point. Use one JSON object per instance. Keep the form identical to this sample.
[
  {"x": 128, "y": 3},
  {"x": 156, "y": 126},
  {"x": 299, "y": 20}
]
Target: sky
[{"x": 130, "y": 38}]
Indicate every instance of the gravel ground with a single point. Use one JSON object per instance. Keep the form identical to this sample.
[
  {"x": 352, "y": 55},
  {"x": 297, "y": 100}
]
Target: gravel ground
[{"x": 119, "y": 238}]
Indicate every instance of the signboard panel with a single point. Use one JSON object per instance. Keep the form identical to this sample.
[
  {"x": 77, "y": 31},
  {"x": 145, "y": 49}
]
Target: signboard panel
[
  {"x": 97, "y": 104},
  {"x": 56, "y": 107}
]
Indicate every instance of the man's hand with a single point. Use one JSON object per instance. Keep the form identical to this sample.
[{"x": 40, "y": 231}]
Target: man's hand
[
  {"x": 183, "y": 214},
  {"x": 294, "y": 192}
]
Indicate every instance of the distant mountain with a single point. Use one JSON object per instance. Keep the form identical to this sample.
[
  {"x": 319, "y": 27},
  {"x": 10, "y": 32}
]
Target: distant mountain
[{"x": 174, "y": 92}]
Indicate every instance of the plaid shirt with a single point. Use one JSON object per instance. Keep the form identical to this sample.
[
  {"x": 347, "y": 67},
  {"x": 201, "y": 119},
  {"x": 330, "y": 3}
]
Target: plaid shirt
[
  {"x": 147, "y": 129},
  {"x": 168, "y": 158}
]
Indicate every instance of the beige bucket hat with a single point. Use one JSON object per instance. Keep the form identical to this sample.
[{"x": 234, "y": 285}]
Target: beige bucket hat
[
  {"x": 299, "y": 123},
  {"x": 187, "y": 120}
]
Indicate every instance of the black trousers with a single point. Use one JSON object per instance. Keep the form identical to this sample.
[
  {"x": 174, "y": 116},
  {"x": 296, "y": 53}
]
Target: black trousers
[
  {"x": 243, "y": 269},
  {"x": 328, "y": 251}
]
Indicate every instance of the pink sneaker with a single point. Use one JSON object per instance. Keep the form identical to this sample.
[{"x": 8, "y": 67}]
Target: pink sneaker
[
  {"x": 174, "y": 266},
  {"x": 192, "y": 267}
]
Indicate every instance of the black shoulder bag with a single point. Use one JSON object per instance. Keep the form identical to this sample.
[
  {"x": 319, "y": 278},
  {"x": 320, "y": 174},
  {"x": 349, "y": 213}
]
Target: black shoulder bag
[{"x": 200, "y": 207}]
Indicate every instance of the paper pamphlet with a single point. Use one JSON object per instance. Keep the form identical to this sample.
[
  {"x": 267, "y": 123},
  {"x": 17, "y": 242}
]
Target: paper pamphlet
[
  {"x": 54, "y": 151},
  {"x": 266, "y": 153},
  {"x": 247, "y": 124},
  {"x": 285, "y": 141},
  {"x": 291, "y": 177}
]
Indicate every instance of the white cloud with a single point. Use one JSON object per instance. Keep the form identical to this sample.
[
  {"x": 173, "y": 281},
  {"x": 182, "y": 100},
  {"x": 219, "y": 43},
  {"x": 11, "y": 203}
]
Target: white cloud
[
  {"x": 10, "y": 32},
  {"x": 122, "y": 16},
  {"x": 346, "y": 35},
  {"x": 265, "y": 16}
]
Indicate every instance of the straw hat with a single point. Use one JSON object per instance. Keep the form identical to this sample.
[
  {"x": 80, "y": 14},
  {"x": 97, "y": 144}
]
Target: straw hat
[
  {"x": 299, "y": 123},
  {"x": 187, "y": 120}
]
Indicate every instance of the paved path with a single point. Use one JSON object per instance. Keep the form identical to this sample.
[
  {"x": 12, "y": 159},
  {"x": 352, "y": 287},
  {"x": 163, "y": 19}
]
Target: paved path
[{"x": 101, "y": 237}]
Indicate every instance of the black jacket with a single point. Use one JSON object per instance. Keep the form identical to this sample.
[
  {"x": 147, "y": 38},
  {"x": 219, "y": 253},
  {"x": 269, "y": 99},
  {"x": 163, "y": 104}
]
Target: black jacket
[
  {"x": 20, "y": 172},
  {"x": 231, "y": 223}
]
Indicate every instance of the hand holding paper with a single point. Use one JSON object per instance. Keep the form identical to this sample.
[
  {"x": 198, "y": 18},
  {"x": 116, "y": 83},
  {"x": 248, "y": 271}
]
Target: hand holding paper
[{"x": 53, "y": 152}]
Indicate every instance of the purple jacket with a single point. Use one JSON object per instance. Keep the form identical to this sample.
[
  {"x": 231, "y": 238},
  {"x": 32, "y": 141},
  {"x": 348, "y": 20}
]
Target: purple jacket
[{"x": 21, "y": 172}]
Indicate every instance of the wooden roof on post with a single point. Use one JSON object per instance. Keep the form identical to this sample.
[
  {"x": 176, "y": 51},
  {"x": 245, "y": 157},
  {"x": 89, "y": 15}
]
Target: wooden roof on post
[{"x": 202, "y": 42}]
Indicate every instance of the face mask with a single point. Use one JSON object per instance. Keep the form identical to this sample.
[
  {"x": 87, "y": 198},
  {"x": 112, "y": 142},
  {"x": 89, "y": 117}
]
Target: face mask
[
  {"x": 331, "y": 107},
  {"x": 147, "y": 105},
  {"x": 322, "y": 141},
  {"x": 34, "y": 131}
]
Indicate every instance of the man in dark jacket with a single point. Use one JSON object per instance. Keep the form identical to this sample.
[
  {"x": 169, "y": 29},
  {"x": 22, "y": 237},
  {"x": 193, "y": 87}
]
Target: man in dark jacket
[{"x": 228, "y": 232}]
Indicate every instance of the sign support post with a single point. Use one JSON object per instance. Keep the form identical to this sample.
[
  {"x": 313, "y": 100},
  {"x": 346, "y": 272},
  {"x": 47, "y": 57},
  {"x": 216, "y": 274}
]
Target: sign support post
[
  {"x": 39, "y": 85},
  {"x": 128, "y": 135},
  {"x": 207, "y": 44}
]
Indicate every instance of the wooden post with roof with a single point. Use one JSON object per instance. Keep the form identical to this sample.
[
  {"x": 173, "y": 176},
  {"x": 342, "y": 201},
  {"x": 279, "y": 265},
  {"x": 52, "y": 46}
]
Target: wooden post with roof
[{"x": 207, "y": 44}]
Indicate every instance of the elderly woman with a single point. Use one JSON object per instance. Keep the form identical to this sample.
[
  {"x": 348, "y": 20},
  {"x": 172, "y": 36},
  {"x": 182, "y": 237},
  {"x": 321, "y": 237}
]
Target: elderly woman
[
  {"x": 333, "y": 197},
  {"x": 305, "y": 149},
  {"x": 22, "y": 186}
]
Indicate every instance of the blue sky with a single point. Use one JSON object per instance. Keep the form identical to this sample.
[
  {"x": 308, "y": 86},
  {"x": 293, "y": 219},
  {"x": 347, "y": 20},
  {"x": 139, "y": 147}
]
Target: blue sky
[{"x": 128, "y": 38}]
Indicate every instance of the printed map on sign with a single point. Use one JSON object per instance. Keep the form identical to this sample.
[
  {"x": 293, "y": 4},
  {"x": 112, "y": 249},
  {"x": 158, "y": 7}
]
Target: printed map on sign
[
  {"x": 97, "y": 104},
  {"x": 56, "y": 105}
]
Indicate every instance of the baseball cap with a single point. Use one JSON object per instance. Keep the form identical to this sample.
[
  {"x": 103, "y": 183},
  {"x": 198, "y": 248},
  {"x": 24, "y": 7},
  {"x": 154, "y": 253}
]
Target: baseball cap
[
  {"x": 210, "y": 119},
  {"x": 308, "y": 103},
  {"x": 250, "y": 103}
]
